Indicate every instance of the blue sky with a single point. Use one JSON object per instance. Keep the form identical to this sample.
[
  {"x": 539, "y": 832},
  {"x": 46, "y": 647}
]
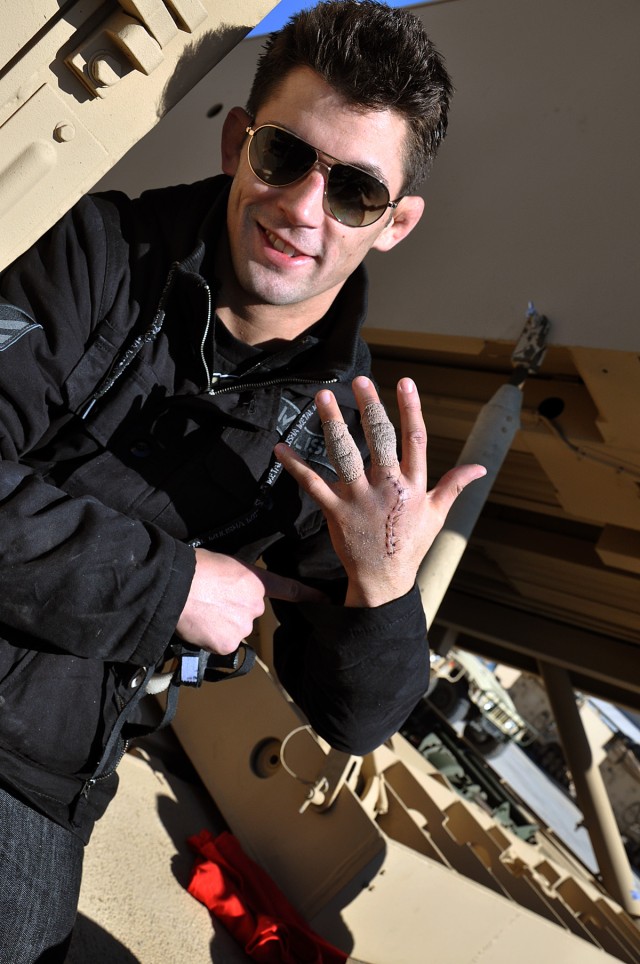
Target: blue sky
[{"x": 286, "y": 8}]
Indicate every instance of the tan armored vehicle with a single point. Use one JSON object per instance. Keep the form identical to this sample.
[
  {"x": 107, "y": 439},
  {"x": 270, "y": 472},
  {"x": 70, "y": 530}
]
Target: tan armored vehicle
[
  {"x": 616, "y": 752},
  {"x": 533, "y": 199}
]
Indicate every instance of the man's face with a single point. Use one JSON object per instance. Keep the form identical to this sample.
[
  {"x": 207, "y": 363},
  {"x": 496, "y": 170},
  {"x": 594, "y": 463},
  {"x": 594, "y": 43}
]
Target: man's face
[{"x": 285, "y": 249}]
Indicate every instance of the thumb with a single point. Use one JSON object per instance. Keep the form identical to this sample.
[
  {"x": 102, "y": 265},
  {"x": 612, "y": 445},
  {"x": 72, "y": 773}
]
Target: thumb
[
  {"x": 452, "y": 484},
  {"x": 281, "y": 587}
]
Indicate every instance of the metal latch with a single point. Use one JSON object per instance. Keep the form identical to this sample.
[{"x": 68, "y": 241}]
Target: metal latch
[{"x": 132, "y": 39}]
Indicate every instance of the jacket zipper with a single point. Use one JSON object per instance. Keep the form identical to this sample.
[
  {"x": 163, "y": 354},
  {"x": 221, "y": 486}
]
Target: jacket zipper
[
  {"x": 282, "y": 380},
  {"x": 122, "y": 362},
  {"x": 91, "y": 782},
  {"x": 206, "y": 333},
  {"x": 238, "y": 384}
]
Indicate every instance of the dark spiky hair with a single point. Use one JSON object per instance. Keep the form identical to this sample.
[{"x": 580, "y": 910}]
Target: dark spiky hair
[{"x": 377, "y": 58}]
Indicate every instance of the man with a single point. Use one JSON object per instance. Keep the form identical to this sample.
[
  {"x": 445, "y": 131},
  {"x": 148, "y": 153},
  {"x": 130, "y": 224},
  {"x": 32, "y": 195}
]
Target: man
[{"x": 156, "y": 353}]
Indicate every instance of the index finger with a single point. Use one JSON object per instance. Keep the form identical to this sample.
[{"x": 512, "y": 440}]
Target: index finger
[
  {"x": 290, "y": 590},
  {"x": 414, "y": 433}
]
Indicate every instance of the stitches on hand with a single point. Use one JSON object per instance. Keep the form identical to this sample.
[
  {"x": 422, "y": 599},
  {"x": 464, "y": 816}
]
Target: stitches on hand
[{"x": 391, "y": 539}]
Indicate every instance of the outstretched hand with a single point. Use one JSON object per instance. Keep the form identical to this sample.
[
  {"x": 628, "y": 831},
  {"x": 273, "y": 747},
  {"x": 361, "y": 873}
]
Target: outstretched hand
[{"x": 383, "y": 521}]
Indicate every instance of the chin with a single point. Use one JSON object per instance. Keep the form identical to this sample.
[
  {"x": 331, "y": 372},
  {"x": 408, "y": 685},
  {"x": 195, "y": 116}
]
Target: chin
[{"x": 268, "y": 292}]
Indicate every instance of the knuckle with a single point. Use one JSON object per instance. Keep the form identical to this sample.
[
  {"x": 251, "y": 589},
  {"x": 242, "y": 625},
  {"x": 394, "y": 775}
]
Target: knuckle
[
  {"x": 314, "y": 487},
  {"x": 255, "y": 607},
  {"x": 229, "y": 646},
  {"x": 417, "y": 437}
]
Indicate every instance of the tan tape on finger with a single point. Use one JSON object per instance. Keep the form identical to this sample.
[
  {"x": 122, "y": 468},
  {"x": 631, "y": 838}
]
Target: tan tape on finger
[
  {"x": 380, "y": 435},
  {"x": 342, "y": 451}
]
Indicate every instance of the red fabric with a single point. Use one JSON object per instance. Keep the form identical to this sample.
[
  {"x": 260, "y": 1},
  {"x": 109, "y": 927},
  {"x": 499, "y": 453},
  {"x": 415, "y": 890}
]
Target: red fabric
[{"x": 245, "y": 899}]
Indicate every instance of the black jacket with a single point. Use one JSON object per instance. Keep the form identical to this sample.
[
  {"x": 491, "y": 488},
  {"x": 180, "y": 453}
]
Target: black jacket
[{"x": 120, "y": 445}]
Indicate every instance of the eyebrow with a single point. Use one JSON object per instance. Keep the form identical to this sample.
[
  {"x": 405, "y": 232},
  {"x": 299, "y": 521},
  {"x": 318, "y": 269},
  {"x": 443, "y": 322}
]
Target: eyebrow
[{"x": 368, "y": 168}]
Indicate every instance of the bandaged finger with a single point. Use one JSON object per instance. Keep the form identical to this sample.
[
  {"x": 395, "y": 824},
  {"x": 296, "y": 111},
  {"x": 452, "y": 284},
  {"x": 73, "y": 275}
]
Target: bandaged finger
[
  {"x": 380, "y": 435},
  {"x": 343, "y": 452}
]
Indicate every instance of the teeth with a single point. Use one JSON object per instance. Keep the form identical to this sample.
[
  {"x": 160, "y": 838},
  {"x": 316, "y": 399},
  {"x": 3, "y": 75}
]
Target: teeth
[{"x": 279, "y": 245}]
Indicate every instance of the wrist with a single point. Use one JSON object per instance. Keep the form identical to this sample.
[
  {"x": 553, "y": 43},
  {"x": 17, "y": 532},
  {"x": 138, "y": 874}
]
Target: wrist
[{"x": 378, "y": 593}]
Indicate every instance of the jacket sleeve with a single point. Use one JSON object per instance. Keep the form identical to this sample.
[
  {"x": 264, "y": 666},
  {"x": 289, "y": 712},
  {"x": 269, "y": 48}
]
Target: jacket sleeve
[
  {"x": 356, "y": 672},
  {"x": 77, "y": 577}
]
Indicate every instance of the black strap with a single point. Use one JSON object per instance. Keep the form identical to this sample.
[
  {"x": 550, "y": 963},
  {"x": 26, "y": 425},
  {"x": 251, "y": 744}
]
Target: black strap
[{"x": 195, "y": 667}]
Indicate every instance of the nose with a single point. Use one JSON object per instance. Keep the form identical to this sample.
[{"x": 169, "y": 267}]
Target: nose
[{"x": 303, "y": 202}]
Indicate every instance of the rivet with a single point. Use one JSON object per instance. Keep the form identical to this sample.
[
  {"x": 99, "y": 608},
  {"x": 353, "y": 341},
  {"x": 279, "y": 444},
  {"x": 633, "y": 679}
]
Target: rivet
[
  {"x": 64, "y": 132},
  {"x": 137, "y": 678}
]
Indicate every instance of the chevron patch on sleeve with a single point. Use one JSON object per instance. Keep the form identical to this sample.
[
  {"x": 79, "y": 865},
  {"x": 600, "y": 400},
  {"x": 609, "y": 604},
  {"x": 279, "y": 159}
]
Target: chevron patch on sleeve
[{"x": 14, "y": 323}]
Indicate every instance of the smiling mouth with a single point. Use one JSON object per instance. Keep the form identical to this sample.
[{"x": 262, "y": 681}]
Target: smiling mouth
[{"x": 281, "y": 246}]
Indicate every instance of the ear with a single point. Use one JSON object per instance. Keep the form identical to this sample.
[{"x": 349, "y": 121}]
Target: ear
[
  {"x": 403, "y": 220},
  {"x": 233, "y": 137}
]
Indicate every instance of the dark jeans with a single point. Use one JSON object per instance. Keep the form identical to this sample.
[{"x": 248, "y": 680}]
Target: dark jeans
[{"x": 40, "y": 873}]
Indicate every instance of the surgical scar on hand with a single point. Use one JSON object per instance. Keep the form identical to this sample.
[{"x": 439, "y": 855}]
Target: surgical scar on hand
[{"x": 391, "y": 536}]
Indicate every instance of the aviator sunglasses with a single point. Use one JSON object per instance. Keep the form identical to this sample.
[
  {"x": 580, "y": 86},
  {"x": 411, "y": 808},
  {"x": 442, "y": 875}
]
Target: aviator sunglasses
[{"x": 353, "y": 196}]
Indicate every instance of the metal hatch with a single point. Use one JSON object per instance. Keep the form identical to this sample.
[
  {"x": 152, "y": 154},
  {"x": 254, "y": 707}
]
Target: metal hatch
[{"x": 81, "y": 81}]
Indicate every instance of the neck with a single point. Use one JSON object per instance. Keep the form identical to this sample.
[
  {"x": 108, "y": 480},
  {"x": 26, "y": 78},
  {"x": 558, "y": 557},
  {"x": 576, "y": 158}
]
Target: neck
[{"x": 263, "y": 325}]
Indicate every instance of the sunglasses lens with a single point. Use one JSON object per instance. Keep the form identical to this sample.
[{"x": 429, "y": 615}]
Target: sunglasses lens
[
  {"x": 355, "y": 197},
  {"x": 279, "y": 158}
]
